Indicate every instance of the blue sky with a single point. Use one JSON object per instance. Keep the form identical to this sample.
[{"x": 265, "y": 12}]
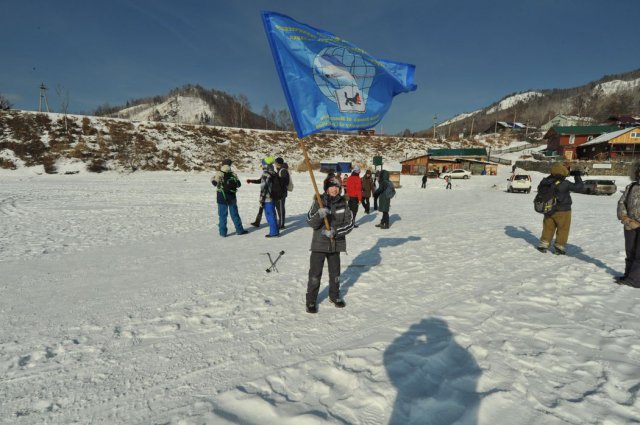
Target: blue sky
[{"x": 468, "y": 53}]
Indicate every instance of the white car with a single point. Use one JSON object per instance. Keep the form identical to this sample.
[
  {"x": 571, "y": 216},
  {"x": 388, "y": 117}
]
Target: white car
[
  {"x": 519, "y": 183},
  {"x": 457, "y": 174}
]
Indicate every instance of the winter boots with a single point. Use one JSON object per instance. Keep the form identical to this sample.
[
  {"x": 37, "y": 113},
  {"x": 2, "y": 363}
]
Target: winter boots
[
  {"x": 312, "y": 308},
  {"x": 339, "y": 303},
  {"x": 382, "y": 225}
]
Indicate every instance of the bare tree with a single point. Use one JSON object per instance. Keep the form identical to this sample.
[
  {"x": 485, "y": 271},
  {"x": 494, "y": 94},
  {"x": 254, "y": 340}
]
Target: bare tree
[
  {"x": 242, "y": 107},
  {"x": 266, "y": 113},
  {"x": 4, "y": 103},
  {"x": 284, "y": 119}
]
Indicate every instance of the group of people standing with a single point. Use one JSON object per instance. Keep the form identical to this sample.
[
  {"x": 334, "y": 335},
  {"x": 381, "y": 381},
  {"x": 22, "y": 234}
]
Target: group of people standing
[
  {"x": 275, "y": 183},
  {"x": 331, "y": 220}
]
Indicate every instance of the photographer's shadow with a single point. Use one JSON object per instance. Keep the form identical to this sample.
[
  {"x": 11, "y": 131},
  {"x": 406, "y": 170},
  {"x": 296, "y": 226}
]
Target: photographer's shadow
[{"x": 435, "y": 377}]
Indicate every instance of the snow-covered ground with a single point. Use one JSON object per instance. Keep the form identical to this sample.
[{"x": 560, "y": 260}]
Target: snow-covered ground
[{"x": 120, "y": 304}]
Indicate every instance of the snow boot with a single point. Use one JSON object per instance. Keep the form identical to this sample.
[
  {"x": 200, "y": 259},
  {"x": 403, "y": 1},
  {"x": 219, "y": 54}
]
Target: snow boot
[
  {"x": 339, "y": 303},
  {"x": 541, "y": 249},
  {"x": 312, "y": 308},
  {"x": 559, "y": 250}
]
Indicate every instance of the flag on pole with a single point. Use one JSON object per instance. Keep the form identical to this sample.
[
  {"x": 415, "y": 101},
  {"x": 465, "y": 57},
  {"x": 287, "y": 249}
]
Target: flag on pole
[{"x": 328, "y": 82}]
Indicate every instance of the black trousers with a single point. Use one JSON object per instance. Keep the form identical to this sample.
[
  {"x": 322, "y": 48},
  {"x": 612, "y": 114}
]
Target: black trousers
[
  {"x": 385, "y": 218},
  {"x": 280, "y": 211},
  {"x": 365, "y": 205},
  {"x": 316, "y": 264},
  {"x": 353, "y": 206},
  {"x": 259, "y": 216},
  {"x": 375, "y": 203},
  {"x": 632, "y": 249}
]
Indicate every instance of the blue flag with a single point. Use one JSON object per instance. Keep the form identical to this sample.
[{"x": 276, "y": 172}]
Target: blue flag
[{"x": 329, "y": 83}]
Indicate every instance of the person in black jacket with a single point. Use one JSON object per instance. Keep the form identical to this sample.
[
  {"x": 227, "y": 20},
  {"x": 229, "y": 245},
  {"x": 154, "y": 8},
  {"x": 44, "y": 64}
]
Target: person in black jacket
[
  {"x": 283, "y": 174},
  {"x": 559, "y": 221},
  {"x": 328, "y": 243}
]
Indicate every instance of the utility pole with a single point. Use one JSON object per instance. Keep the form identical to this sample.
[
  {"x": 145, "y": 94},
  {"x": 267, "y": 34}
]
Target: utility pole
[
  {"x": 43, "y": 95},
  {"x": 471, "y": 134},
  {"x": 435, "y": 119},
  {"x": 495, "y": 127}
]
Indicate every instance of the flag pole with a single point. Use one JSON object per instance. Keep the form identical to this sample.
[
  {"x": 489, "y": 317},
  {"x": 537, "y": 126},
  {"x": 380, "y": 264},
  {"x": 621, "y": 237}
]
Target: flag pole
[{"x": 313, "y": 180}]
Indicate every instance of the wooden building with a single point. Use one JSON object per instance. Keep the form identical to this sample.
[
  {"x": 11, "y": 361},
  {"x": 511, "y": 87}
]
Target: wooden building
[
  {"x": 621, "y": 144},
  {"x": 565, "y": 140},
  {"x": 441, "y": 160}
]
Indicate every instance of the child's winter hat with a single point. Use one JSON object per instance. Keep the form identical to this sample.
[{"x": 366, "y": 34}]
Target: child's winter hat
[
  {"x": 279, "y": 160},
  {"x": 330, "y": 182},
  {"x": 226, "y": 162},
  {"x": 356, "y": 169},
  {"x": 267, "y": 160}
]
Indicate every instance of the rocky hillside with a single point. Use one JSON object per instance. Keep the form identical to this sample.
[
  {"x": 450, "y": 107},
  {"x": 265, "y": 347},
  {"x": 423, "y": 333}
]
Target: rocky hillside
[
  {"x": 97, "y": 144},
  {"x": 610, "y": 95}
]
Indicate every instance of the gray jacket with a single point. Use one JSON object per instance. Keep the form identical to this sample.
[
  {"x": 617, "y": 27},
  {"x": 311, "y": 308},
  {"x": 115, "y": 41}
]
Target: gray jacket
[
  {"x": 340, "y": 219},
  {"x": 629, "y": 204}
]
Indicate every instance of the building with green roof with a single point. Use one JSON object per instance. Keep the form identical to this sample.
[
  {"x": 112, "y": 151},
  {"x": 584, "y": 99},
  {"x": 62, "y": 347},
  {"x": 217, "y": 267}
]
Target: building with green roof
[{"x": 565, "y": 140}]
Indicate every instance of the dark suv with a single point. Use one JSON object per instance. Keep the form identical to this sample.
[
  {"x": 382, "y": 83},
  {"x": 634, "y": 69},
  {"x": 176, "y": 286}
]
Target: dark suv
[{"x": 599, "y": 187}]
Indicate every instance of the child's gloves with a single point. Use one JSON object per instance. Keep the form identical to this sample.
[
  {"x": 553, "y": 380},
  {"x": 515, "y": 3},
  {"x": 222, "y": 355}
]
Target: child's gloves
[
  {"x": 328, "y": 233},
  {"x": 323, "y": 212}
]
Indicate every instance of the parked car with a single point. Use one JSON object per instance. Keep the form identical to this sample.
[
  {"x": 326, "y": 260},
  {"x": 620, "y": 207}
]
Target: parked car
[
  {"x": 457, "y": 174},
  {"x": 432, "y": 174},
  {"x": 599, "y": 187},
  {"x": 519, "y": 183}
]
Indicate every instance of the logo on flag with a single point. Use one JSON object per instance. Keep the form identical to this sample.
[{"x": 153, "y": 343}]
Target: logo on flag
[{"x": 328, "y": 82}]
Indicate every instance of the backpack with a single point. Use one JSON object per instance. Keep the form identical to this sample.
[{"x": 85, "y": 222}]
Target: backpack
[
  {"x": 389, "y": 191},
  {"x": 230, "y": 183},
  {"x": 276, "y": 187},
  {"x": 546, "y": 200}
]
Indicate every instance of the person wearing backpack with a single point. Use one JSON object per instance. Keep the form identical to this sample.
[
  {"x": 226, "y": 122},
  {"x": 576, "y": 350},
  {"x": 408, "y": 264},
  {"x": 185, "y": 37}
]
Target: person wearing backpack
[
  {"x": 629, "y": 215},
  {"x": 354, "y": 192},
  {"x": 227, "y": 184},
  {"x": 558, "y": 220},
  {"x": 284, "y": 179},
  {"x": 384, "y": 193}
]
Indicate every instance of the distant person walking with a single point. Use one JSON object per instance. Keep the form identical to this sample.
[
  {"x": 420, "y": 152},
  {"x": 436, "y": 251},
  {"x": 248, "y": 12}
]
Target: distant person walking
[
  {"x": 424, "y": 181},
  {"x": 448, "y": 180},
  {"x": 629, "y": 215},
  {"x": 559, "y": 221},
  {"x": 227, "y": 184}
]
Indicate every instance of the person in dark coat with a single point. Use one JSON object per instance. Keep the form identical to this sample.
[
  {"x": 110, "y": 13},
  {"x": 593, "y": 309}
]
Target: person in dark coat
[
  {"x": 227, "y": 183},
  {"x": 424, "y": 180},
  {"x": 283, "y": 174},
  {"x": 384, "y": 201},
  {"x": 327, "y": 244},
  {"x": 559, "y": 222},
  {"x": 367, "y": 190},
  {"x": 629, "y": 215}
]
